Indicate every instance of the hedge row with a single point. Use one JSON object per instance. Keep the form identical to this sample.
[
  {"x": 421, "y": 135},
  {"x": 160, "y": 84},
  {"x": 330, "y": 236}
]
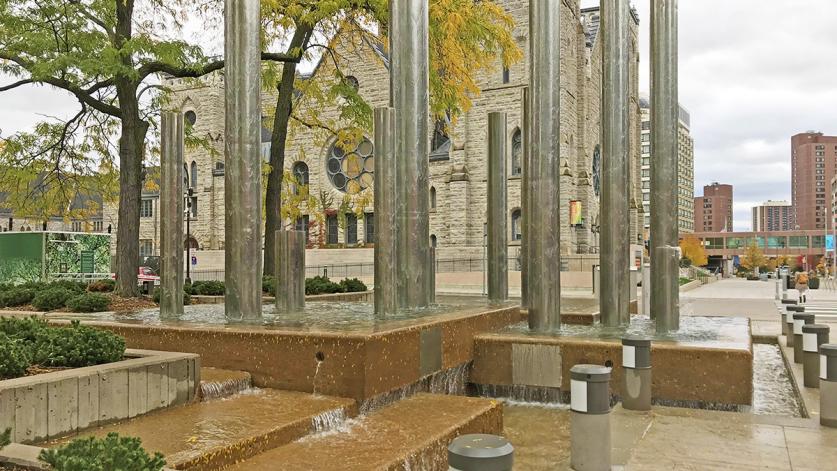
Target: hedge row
[
  {"x": 57, "y": 294},
  {"x": 31, "y": 341},
  {"x": 315, "y": 285}
]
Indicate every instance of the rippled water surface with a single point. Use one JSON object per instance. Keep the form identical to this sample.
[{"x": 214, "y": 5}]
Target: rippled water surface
[{"x": 773, "y": 393}]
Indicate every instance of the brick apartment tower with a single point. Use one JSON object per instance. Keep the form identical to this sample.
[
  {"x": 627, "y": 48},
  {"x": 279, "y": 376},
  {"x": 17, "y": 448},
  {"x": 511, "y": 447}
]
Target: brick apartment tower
[
  {"x": 713, "y": 210},
  {"x": 813, "y": 158}
]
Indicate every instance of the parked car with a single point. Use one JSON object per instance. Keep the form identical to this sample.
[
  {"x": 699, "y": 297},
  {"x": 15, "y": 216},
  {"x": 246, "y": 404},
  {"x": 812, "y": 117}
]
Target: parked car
[{"x": 147, "y": 279}]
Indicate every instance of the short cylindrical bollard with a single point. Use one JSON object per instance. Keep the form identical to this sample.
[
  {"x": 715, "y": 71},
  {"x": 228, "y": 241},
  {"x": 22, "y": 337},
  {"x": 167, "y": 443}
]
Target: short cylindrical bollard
[
  {"x": 794, "y": 308},
  {"x": 789, "y": 329},
  {"x": 799, "y": 319},
  {"x": 789, "y": 301},
  {"x": 828, "y": 384},
  {"x": 290, "y": 271},
  {"x": 778, "y": 294},
  {"x": 636, "y": 381},
  {"x": 590, "y": 417},
  {"x": 783, "y": 319},
  {"x": 784, "y": 278},
  {"x": 480, "y": 452},
  {"x": 813, "y": 335}
]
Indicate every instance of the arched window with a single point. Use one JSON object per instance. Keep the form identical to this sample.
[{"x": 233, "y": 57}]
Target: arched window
[
  {"x": 516, "y": 152},
  {"x": 352, "y": 81},
  {"x": 193, "y": 174},
  {"x": 190, "y": 117},
  {"x": 440, "y": 144},
  {"x": 516, "y": 228},
  {"x": 300, "y": 170},
  {"x": 433, "y": 240},
  {"x": 432, "y": 197}
]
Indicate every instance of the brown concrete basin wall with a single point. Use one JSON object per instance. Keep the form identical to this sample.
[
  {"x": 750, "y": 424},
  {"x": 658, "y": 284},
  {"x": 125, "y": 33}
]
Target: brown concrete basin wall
[{"x": 680, "y": 372}]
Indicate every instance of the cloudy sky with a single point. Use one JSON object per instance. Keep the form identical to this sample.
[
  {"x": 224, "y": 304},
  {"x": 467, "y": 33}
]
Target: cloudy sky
[{"x": 752, "y": 74}]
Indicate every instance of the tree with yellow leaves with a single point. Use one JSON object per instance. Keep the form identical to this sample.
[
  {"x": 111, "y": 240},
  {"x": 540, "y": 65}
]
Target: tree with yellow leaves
[
  {"x": 693, "y": 249},
  {"x": 753, "y": 257}
]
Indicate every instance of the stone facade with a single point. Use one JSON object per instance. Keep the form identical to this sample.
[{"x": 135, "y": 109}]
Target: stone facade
[{"x": 457, "y": 174}]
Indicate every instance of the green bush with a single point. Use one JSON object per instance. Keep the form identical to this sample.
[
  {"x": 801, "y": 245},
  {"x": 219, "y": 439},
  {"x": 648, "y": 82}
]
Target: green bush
[
  {"x": 102, "y": 454},
  {"x": 102, "y": 286},
  {"x": 5, "y": 437},
  {"x": 77, "y": 346},
  {"x": 208, "y": 288},
  {"x": 33, "y": 285},
  {"x": 25, "y": 329},
  {"x": 321, "y": 285},
  {"x": 16, "y": 297},
  {"x": 88, "y": 302},
  {"x": 52, "y": 298},
  {"x": 14, "y": 357},
  {"x": 157, "y": 294},
  {"x": 352, "y": 285},
  {"x": 269, "y": 285},
  {"x": 75, "y": 286}
]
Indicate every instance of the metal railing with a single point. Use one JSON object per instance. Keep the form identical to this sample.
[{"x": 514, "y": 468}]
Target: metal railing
[{"x": 352, "y": 270}]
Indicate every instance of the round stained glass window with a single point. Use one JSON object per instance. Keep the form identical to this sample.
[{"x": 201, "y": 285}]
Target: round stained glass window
[{"x": 351, "y": 171}]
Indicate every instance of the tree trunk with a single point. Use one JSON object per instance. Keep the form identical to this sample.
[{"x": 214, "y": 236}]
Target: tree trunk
[{"x": 273, "y": 195}]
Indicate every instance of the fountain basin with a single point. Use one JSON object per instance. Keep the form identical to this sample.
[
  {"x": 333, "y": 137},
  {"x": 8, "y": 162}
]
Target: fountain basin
[{"x": 706, "y": 367}]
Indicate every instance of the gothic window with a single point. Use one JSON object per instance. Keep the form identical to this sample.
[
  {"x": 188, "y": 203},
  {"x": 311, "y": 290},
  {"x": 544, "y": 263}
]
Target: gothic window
[
  {"x": 193, "y": 174},
  {"x": 190, "y": 117},
  {"x": 369, "y": 228},
  {"x": 432, "y": 197},
  {"x": 441, "y": 143},
  {"x": 146, "y": 247},
  {"x": 300, "y": 170},
  {"x": 433, "y": 240},
  {"x": 597, "y": 170},
  {"x": 331, "y": 229},
  {"x": 516, "y": 228},
  {"x": 351, "y": 171},
  {"x": 516, "y": 152},
  {"x": 506, "y": 77},
  {"x": 147, "y": 208},
  {"x": 351, "y": 229},
  {"x": 352, "y": 81}
]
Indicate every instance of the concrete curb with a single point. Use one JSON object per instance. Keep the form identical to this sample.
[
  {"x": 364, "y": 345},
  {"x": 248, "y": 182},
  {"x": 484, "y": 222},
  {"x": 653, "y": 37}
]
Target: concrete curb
[{"x": 690, "y": 286}]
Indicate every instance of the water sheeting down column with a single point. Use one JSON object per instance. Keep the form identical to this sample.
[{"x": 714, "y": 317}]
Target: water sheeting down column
[
  {"x": 242, "y": 161},
  {"x": 409, "y": 93},
  {"x": 664, "y": 172},
  {"x": 544, "y": 277},
  {"x": 386, "y": 250},
  {"x": 171, "y": 214},
  {"x": 290, "y": 271},
  {"x": 614, "y": 299},
  {"x": 498, "y": 249},
  {"x": 524, "y": 199}
]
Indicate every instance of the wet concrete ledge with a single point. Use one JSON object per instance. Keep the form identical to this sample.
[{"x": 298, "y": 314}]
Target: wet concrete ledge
[
  {"x": 354, "y": 365},
  {"x": 54, "y": 404},
  {"x": 360, "y": 296},
  {"x": 718, "y": 377}
]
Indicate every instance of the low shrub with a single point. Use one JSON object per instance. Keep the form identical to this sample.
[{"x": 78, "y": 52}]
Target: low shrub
[
  {"x": 353, "y": 285},
  {"x": 321, "y": 285},
  {"x": 102, "y": 286},
  {"x": 157, "y": 294},
  {"x": 16, "y": 297},
  {"x": 14, "y": 357},
  {"x": 52, "y": 298},
  {"x": 102, "y": 454},
  {"x": 25, "y": 329},
  {"x": 77, "y": 346},
  {"x": 88, "y": 302},
  {"x": 33, "y": 285},
  {"x": 5, "y": 437},
  {"x": 76, "y": 286},
  {"x": 208, "y": 288},
  {"x": 269, "y": 285}
]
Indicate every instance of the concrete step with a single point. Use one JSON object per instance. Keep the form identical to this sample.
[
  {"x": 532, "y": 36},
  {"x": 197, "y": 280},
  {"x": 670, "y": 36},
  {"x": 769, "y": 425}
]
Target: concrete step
[
  {"x": 410, "y": 434},
  {"x": 217, "y": 383},
  {"x": 214, "y": 434}
]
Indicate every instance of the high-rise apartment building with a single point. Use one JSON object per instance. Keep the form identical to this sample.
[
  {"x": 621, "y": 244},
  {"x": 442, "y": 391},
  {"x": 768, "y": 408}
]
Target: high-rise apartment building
[
  {"x": 686, "y": 169},
  {"x": 814, "y": 162},
  {"x": 773, "y": 216},
  {"x": 713, "y": 210}
]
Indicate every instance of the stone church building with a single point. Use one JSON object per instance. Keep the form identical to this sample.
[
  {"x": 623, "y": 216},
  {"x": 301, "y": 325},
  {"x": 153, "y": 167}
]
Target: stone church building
[{"x": 458, "y": 158}]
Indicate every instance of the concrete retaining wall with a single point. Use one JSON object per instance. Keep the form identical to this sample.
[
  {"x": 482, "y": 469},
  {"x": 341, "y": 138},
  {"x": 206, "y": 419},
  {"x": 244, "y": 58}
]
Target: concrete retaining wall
[
  {"x": 690, "y": 286},
  {"x": 54, "y": 404}
]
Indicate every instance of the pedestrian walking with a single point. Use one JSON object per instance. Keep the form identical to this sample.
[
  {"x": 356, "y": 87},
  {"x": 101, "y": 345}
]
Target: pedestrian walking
[{"x": 802, "y": 286}]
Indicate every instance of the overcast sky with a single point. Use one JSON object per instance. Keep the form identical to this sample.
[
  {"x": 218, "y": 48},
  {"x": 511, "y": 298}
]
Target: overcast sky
[{"x": 752, "y": 74}]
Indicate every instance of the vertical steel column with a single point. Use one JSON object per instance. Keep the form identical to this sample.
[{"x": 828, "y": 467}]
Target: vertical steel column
[
  {"x": 614, "y": 296},
  {"x": 544, "y": 275},
  {"x": 386, "y": 231},
  {"x": 498, "y": 248},
  {"x": 524, "y": 200},
  {"x": 409, "y": 82},
  {"x": 290, "y": 271},
  {"x": 664, "y": 173},
  {"x": 242, "y": 161},
  {"x": 171, "y": 214}
]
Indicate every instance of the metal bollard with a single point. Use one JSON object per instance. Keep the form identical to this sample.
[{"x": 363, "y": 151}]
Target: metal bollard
[
  {"x": 828, "y": 384},
  {"x": 636, "y": 381},
  {"x": 783, "y": 323},
  {"x": 480, "y": 452},
  {"x": 778, "y": 294},
  {"x": 590, "y": 417},
  {"x": 813, "y": 335},
  {"x": 794, "y": 308},
  {"x": 784, "y": 278},
  {"x": 789, "y": 301},
  {"x": 799, "y": 319},
  {"x": 789, "y": 329}
]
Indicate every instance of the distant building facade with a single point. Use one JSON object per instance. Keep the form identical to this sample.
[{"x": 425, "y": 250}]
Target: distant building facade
[
  {"x": 713, "y": 210},
  {"x": 814, "y": 165},
  {"x": 773, "y": 216},
  {"x": 686, "y": 170},
  {"x": 457, "y": 158}
]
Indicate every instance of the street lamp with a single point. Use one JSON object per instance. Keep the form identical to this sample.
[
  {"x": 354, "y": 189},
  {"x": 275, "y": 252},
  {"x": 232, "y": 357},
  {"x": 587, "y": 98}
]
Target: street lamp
[{"x": 189, "y": 194}]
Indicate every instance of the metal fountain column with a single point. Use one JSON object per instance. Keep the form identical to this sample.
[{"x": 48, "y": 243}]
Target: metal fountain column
[{"x": 171, "y": 214}]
